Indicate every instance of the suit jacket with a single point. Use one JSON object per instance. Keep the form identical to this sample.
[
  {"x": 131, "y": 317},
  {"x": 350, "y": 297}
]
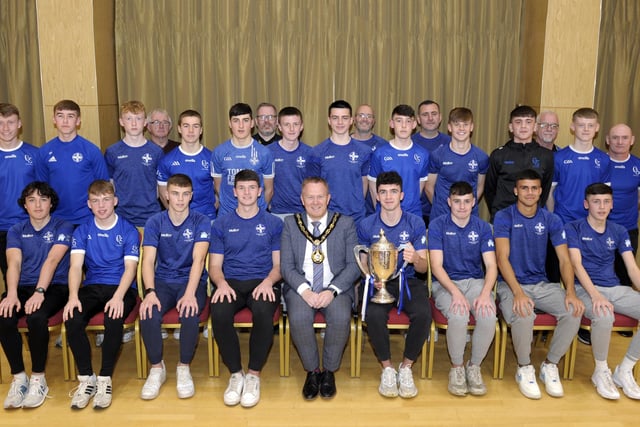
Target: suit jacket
[{"x": 340, "y": 244}]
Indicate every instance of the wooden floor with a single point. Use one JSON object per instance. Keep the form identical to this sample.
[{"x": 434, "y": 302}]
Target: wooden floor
[{"x": 356, "y": 404}]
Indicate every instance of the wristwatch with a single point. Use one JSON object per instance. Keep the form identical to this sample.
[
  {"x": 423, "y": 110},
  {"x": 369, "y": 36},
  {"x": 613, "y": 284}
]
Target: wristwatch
[
  {"x": 40, "y": 290},
  {"x": 149, "y": 291},
  {"x": 335, "y": 293}
]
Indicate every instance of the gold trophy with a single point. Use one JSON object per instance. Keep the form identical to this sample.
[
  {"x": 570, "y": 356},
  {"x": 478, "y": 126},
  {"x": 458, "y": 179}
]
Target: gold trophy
[{"x": 382, "y": 263}]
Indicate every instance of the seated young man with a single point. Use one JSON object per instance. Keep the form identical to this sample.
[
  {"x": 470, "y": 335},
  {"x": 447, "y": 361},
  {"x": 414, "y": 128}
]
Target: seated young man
[
  {"x": 407, "y": 232},
  {"x": 593, "y": 243},
  {"x": 38, "y": 260},
  {"x": 459, "y": 243},
  {"x": 521, "y": 233},
  {"x": 106, "y": 250},
  {"x": 175, "y": 247},
  {"x": 244, "y": 266}
]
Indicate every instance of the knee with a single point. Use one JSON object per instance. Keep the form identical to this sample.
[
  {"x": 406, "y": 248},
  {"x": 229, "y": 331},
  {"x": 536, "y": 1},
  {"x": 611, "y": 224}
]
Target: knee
[
  {"x": 603, "y": 322},
  {"x": 37, "y": 320}
]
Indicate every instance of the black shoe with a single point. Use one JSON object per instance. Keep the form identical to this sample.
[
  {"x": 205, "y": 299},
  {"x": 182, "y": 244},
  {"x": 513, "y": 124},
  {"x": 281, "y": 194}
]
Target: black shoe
[
  {"x": 584, "y": 336},
  {"x": 311, "y": 385},
  {"x": 327, "y": 385},
  {"x": 626, "y": 334}
]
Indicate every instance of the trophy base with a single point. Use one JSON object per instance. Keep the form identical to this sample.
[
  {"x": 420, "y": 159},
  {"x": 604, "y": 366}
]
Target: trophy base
[{"x": 383, "y": 297}]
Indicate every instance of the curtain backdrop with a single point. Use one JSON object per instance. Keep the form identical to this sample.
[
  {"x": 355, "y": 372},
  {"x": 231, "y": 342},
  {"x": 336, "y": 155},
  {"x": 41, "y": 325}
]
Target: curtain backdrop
[
  {"x": 208, "y": 55},
  {"x": 618, "y": 78},
  {"x": 20, "y": 66}
]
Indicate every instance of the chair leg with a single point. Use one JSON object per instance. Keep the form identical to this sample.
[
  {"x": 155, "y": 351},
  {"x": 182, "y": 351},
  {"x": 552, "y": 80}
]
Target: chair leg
[
  {"x": 432, "y": 346},
  {"x": 504, "y": 336},
  {"x": 352, "y": 348},
  {"x": 496, "y": 351},
  {"x": 212, "y": 359},
  {"x": 287, "y": 347},
  {"x": 140, "y": 365},
  {"x": 281, "y": 345},
  {"x": 359, "y": 333},
  {"x": 216, "y": 359}
]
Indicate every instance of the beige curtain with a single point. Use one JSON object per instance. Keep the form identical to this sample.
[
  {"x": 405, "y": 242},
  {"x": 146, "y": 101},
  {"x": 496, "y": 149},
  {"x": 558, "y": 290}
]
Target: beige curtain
[
  {"x": 20, "y": 66},
  {"x": 208, "y": 55},
  {"x": 618, "y": 78}
]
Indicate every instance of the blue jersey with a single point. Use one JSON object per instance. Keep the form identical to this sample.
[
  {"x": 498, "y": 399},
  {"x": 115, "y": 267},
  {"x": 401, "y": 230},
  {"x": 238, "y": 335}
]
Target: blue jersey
[
  {"x": 410, "y": 228},
  {"x": 374, "y": 142},
  {"x": 343, "y": 167},
  {"x": 462, "y": 248},
  {"x": 133, "y": 171},
  {"x": 174, "y": 244},
  {"x": 105, "y": 250},
  {"x": 625, "y": 183},
  {"x": 35, "y": 246},
  {"x": 410, "y": 163},
  {"x": 17, "y": 169},
  {"x": 291, "y": 168},
  {"x": 70, "y": 167},
  {"x": 528, "y": 239},
  {"x": 196, "y": 167},
  {"x": 452, "y": 167},
  {"x": 598, "y": 250},
  {"x": 573, "y": 172},
  {"x": 430, "y": 144},
  {"x": 228, "y": 159},
  {"x": 247, "y": 244}
]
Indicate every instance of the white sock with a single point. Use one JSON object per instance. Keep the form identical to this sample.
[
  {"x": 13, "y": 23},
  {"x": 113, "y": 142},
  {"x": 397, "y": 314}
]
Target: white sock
[
  {"x": 627, "y": 364},
  {"x": 602, "y": 365}
]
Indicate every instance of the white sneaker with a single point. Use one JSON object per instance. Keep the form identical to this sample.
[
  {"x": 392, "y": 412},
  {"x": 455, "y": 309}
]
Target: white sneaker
[
  {"x": 406, "y": 387},
  {"x": 151, "y": 387},
  {"x": 205, "y": 332},
  {"x": 475, "y": 385},
  {"x": 176, "y": 334},
  {"x": 164, "y": 334},
  {"x": 17, "y": 391},
  {"x": 127, "y": 336},
  {"x": 625, "y": 380},
  {"x": 551, "y": 379},
  {"x": 37, "y": 393},
  {"x": 251, "y": 391},
  {"x": 102, "y": 399},
  {"x": 184, "y": 382},
  {"x": 526, "y": 379},
  {"x": 457, "y": 382},
  {"x": 604, "y": 384},
  {"x": 388, "y": 382},
  {"x": 233, "y": 393},
  {"x": 99, "y": 340},
  {"x": 84, "y": 391}
]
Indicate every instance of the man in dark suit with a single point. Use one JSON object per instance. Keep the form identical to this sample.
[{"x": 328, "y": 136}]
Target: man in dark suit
[{"x": 319, "y": 269}]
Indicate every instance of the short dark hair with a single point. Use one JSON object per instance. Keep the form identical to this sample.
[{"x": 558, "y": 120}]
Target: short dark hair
[
  {"x": 584, "y": 113},
  {"x": 43, "y": 189},
  {"x": 527, "y": 174},
  {"x": 388, "y": 178},
  {"x": 189, "y": 113},
  {"x": 428, "y": 102},
  {"x": 66, "y": 104},
  {"x": 246, "y": 175},
  {"x": 340, "y": 103},
  {"x": 180, "y": 180},
  {"x": 460, "y": 114},
  {"x": 7, "y": 110},
  {"x": 289, "y": 111},
  {"x": 460, "y": 188},
  {"x": 403, "y": 110},
  {"x": 240, "y": 109},
  {"x": 597, "y": 188},
  {"x": 522, "y": 111}
]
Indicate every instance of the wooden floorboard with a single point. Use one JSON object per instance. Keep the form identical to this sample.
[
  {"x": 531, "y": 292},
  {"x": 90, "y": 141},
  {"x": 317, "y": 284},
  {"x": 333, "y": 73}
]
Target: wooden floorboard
[{"x": 356, "y": 404}]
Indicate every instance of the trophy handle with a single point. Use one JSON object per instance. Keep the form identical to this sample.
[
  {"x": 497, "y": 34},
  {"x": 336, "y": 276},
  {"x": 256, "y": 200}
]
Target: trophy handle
[
  {"x": 403, "y": 266},
  {"x": 356, "y": 252}
]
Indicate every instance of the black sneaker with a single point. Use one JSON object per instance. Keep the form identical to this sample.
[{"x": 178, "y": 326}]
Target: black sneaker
[
  {"x": 626, "y": 334},
  {"x": 584, "y": 336}
]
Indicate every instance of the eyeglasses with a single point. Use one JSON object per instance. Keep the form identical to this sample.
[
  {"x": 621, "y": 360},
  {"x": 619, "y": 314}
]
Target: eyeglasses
[
  {"x": 365, "y": 116},
  {"x": 552, "y": 126},
  {"x": 160, "y": 122},
  {"x": 266, "y": 117}
]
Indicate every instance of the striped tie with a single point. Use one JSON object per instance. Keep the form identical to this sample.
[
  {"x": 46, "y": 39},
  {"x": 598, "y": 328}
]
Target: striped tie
[{"x": 318, "y": 284}]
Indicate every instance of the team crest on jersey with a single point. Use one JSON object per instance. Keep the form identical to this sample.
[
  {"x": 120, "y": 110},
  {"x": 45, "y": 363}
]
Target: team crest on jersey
[
  {"x": 260, "y": 230},
  {"x": 147, "y": 159},
  {"x": 188, "y": 235},
  {"x": 48, "y": 237},
  {"x": 135, "y": 249},
  {"x": 473, "y": 237},
  {"x": 301, "y": 162},
  {"x": 204, "y": 164},
  {"x": 28, "y": 159},
  {"x": 255, "y": 157},
  {"x": 472, "y": 166},
  {"x": 539, "y": 229},
  {"x": 535, "y": 162},
  {"x": 353, "y": 157},
  {"x": 636, "y": 171},
  {"x": 596, "y": 163},
  {"x": 404, "y": 237},
  {"x": 611, "y": 244},
  {"x": 119, "y": 239},
  {"x": 77, "y": 157},
  {"x": 417, "y": 159}
]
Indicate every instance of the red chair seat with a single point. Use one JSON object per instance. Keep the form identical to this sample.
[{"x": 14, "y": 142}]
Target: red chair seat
[
  {"x": 544, "y": 319},
  {"x": 620, "y": 321},
  {"x": 441, "y": 319},
  {"x": 54, "y": 320},
  {"x": 172, "y": 316}
]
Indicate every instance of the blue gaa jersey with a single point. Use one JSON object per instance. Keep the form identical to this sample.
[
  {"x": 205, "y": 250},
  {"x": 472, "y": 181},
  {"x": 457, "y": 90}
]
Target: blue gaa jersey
[
  {"x": 343, "y": 167},
  {"x": 625, "y": 183},
  {"x": 291, "y": 168},
  {"x": 133, "y": 171},
  {"x": 598, "y": 250},
  {"x": 247, "y": 244},
  {"x": 174, "y": 244},
  {"x": 196, "y": 167},
  {"x": 429, "y": 144},
  {"x": 410, "y": 228},
  {"x": 528, "y": 241},
  {"x": 228, "y": 159},
  {"x": 70, "y": 167},
  {"x": 35, "y": 246},
  {"x": 410, "y": 163},
  {"x": 462, "y": 248},
  {"x": 374, "y": 142},
  {"x": 452, "y": 167},
  {"x": 105, "y": 250},
  {"x": 573, "y": 172},
  {"x": 17, "y": 169}
]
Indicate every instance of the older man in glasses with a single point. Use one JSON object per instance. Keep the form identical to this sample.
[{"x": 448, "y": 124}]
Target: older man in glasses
[{"x": 547, "y": 126}]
